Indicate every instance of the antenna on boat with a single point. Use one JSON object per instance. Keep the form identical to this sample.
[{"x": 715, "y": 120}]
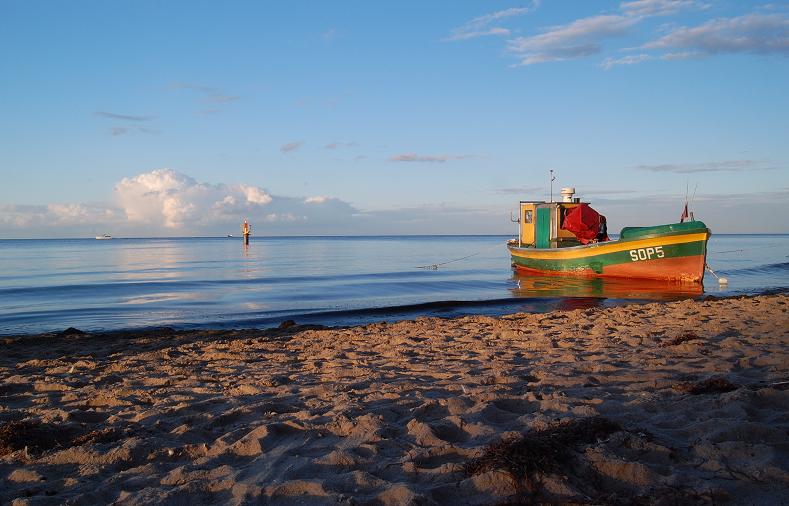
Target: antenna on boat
[
  {"x": 684, "y": 214},
  {"x": 692, "y": 200},
  {"x": 552, "y": 178}
]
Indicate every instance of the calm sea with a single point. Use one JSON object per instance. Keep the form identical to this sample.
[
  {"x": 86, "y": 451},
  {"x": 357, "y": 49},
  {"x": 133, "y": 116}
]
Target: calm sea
[{"x": 49, "y": 285}]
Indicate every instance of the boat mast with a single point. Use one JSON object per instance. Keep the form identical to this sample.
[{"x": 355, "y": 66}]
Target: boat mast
[{"x": 552, "y": 178}]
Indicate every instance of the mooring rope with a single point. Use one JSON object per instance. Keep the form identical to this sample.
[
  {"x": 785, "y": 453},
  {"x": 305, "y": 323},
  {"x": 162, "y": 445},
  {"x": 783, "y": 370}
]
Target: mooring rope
[
  {"x": 433, "y": 267},
  {"x": 723, "y": 282},
  {"x": 746, "y": 249}
]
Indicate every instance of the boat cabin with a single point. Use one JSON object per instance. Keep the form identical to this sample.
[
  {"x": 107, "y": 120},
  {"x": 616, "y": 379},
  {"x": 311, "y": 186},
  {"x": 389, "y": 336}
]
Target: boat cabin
[{"x": 546, "y": 224}]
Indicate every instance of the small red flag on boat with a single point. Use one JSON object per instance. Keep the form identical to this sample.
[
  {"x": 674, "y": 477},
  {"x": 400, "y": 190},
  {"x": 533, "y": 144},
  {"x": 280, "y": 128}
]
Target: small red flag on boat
[{"x": 684, "y": 215}]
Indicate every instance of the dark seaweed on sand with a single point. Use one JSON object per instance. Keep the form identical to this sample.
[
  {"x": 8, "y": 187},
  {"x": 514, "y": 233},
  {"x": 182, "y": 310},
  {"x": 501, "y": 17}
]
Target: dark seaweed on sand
[
  {"x": 543, "y": 451},
  {"x": 708, "y": 386},
  {"x": 39, "y": 436},
  {"x": 682, "y": 338},
  {"x": 97, "y": 436},
  {"x": 33, "y": 435}
]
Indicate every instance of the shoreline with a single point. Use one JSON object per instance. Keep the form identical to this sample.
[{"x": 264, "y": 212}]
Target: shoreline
[
  {"x": 366, "y": 316},
  {"x": 433, "y": 309},
  {"x": 692, "y": 394}
]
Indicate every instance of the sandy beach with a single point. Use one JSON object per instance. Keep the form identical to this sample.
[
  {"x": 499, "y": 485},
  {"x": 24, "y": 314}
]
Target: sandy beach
[{"x": 663, "y": 403}]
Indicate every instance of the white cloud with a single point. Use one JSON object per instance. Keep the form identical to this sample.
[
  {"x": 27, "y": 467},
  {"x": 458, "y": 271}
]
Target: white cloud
[
  {"x": 336, "y": 145},
  {"x": 210, "y": 94},
  {"x": 682, "y": 55},
  {"x": 166, "y": 202},
  {"x": 413, "y": 157},
  {"x": 68, "y": 213},
  {"x": 752, "y": 33},
  {"x": 124, "y": 117},
  {"x": 291, "y": 146},
  {"x": 35, "y": 217},
  {"x": 722, "y": 212},
  {"x": 487, "y": 19},
  {"x": 719, "y": 166},
  {"x": 520, "y": 190},
  {"x": 765, "y": 32},
  {"x": 166, "y": 197},
  {"x": 480, "y": 26},
  {"x": 286, "y": 217},
  {"x": 658, "y": 7},
  {"x": 117, "y": 130},
  {"x": 220, "y": 98},
  {"x": 254, "y": 194},
  {"x": 322, "y": 215},
  {"x": 21, "y": 217},
  {"x": 580, "y": 38},
  {"x": 610, "y": 63},
  {"x": 480, "y": 33}
]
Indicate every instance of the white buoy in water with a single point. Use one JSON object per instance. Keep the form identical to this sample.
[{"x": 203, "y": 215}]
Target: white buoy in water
[{"x": 723, "y": 281}]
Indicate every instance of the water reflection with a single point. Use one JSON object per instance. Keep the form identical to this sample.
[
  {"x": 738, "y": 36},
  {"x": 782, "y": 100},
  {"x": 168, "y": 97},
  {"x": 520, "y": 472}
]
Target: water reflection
[
  {"x": 99, "y": 285},
  {"x": 157, "y": 298},
  {"x": 580, "y": 290},
  {"x": 159, "y": 261}
]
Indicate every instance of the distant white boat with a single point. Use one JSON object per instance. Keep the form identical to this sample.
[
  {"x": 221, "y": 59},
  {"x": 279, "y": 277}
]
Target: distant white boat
[{"x": 103, "y": 237}]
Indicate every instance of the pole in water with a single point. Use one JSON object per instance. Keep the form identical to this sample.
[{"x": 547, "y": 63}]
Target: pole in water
[{"x": 245, "y": 231}]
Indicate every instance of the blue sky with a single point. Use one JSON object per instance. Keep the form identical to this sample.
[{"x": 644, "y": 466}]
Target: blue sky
[{"x": 182, "y": 118}]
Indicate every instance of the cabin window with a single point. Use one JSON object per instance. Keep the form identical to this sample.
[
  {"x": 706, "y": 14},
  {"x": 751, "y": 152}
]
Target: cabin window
[{"x": 527, "y": 216}]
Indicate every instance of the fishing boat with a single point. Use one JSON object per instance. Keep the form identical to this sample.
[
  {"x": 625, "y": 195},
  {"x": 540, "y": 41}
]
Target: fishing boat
[
  {"x": 570, "y": 238},
  {"x": 103, "y": 237}
]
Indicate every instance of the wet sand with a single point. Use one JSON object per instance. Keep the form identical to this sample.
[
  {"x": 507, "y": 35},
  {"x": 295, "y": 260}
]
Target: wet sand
[{"x": 664, "y": 403}]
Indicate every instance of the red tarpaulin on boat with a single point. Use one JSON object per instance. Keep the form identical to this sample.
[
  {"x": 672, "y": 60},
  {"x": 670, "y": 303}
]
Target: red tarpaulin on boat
[{"x": 584, "y": 222}]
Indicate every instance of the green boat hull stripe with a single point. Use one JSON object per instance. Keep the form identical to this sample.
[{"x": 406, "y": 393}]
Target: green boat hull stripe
[
  {"x": 596, "y": 263},
  {"x": 688, "y": 227}
]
